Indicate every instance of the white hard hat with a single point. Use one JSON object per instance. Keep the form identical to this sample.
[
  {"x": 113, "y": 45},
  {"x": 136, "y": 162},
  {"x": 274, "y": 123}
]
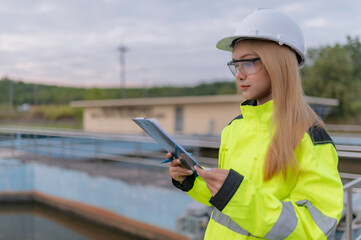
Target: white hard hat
[{"x": 268, "y": 24}]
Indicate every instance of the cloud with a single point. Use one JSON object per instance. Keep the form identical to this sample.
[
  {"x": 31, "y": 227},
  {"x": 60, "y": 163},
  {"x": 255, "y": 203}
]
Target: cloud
[
  {"x": 170, "y": 42},
  {"x": 317, "y": 23}
]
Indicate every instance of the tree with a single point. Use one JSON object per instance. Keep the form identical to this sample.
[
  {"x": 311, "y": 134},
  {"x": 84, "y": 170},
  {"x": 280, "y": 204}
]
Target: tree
[
  {"x": 333, "y": 72},
  {"x": 353, "y": 48}
]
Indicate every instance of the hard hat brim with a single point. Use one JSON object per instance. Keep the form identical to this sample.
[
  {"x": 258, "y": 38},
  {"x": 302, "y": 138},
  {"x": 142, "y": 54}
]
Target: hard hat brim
[{"x": 226, "y": 45}]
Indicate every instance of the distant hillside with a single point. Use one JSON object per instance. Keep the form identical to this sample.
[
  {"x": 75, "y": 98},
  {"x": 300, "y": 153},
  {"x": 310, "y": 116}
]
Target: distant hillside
[{"x": 38, "y": 94}]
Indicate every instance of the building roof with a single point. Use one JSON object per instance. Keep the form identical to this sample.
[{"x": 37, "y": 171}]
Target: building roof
[
  {"x": 183, "y": 100},
  {"x": 158, "y": 101}
]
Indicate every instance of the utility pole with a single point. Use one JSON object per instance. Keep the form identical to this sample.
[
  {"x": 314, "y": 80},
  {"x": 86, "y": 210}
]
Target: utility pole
[
  {"x": 145, "y": 89},
  {"x": 35, "y": 101},
  {"x": 11, "y": 96},
  {"x": 122, "y": 50}
]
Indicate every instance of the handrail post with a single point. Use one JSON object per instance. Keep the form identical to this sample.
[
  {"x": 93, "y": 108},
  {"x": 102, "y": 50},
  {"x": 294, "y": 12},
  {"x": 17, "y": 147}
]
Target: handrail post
[
  {"x": 349, "y": 215},
  {"x": 12, "y": 144},
  {"x": 347, "y": 188}
]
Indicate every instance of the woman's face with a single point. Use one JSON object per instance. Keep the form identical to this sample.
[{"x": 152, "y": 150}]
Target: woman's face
[{"x": 253, "y": 86}]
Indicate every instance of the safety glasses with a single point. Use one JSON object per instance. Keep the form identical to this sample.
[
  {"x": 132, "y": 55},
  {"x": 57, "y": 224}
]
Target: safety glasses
[{"x": 245, "y": 66}]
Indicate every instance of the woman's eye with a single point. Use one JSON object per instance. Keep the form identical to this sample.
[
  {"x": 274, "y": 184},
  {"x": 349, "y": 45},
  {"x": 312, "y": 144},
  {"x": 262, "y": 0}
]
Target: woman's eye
[{"x": 248, "y": 64}]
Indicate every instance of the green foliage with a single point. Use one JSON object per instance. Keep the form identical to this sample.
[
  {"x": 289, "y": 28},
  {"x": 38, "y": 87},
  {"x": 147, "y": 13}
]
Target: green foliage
[
  {"x": 334, "y": 72},
  {"x": 56, "y": 112},
  {"x": 353, "y": 48},
  {"x": 98, "y": 93},
  {"x": 7, "y": 113},
  {"x": 37, "y": 94}
]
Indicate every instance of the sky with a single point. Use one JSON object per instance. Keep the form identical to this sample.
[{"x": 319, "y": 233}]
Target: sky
[{"x": 169, "y": 43}]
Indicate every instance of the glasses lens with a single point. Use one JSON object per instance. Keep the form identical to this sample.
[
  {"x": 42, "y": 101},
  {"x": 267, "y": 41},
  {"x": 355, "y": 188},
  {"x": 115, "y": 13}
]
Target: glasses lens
[
  {"x": 245, "y": 67},
  {"x": 233, "y": 68}
]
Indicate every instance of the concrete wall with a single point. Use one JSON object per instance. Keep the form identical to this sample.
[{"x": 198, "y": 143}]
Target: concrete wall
[
  {"x": 150, "y": 204},
  {"x": 118, "y": 119},
  {"x": 208, "y": 119},
  {"x": 201, "y": 118}
]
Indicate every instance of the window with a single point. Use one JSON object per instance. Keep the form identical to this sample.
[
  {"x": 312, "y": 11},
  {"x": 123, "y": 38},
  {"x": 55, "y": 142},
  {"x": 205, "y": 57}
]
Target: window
[{"x": 179, "y": 118}]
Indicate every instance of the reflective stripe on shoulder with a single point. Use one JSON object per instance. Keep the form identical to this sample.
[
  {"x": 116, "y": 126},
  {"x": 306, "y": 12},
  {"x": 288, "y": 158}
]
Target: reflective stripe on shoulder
[{"x": 326, "y": 224}]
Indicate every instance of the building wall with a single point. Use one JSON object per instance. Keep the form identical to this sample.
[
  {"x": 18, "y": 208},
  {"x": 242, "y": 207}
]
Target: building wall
[
  {"x": 202, "y": 118},
  {"x": 118, "y": 119},
  {"x": 209, "y": 119}
]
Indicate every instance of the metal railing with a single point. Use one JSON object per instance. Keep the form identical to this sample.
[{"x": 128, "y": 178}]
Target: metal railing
[
  {"x": 344, "y": 128},
  {"x": 75, "y": 144},
  {"x": 348, "y": 188}
]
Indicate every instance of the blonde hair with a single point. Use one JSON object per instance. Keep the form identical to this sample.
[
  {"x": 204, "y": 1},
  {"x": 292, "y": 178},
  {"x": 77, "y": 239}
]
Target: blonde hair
[{"x": 292, "y": 116}]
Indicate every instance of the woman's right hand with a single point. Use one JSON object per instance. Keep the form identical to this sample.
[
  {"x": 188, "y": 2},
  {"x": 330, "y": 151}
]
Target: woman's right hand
[{"x": 176, "y": 169}]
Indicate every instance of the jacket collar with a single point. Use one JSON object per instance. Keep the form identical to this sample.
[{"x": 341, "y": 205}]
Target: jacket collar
[
  {"x": 250, "y": 110},
  {"x": 249, "y": 102}
]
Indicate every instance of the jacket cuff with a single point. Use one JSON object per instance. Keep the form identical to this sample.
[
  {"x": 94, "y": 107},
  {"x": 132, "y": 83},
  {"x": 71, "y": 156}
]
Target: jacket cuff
[
  {"x": 227, "y": 190},
  {"x": 186, "y": 185}
]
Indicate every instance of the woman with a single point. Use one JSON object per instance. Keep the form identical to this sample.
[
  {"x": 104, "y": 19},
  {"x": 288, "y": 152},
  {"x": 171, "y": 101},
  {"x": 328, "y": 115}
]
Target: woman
[{"x": 277, "y": 175}]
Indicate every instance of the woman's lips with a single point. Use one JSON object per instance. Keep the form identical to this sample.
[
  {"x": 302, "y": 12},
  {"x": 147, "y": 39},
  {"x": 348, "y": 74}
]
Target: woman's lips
[{"x": 244, "y": 87}]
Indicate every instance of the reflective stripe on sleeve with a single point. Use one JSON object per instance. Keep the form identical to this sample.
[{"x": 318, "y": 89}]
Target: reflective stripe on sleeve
[
  {"x": 284, "y": 226},
  {"x": 326, "y": 224},
  {"x": 286, "y": 223},
  {"x": 226, "y": 221}
]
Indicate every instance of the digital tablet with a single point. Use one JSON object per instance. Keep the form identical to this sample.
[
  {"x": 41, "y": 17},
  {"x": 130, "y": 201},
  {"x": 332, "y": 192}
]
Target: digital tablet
[{"x": 153, "y": 129}]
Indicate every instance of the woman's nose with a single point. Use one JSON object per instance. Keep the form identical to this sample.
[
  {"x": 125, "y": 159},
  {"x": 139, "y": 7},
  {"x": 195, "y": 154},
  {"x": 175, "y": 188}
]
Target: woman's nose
[{"x": 240, "y": 75}]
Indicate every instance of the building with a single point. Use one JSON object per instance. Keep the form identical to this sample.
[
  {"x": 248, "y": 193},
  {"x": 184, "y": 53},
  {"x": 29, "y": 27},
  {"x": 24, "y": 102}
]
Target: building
[{"x": 196, "y": 115}]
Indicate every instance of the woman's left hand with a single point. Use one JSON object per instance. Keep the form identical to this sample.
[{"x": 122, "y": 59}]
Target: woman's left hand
[{"x": 214, "y": 178}]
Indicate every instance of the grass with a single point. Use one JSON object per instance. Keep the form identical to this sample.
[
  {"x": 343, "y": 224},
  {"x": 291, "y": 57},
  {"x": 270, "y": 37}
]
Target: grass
[{"x": 49, "y": 116}]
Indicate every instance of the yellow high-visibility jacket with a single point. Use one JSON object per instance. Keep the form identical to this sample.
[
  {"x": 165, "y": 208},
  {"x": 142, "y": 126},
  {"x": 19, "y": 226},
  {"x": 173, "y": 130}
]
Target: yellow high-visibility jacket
[{"x": 304, "y": 205}]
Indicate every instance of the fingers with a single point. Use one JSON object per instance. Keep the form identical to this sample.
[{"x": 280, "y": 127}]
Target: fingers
[
  {"x": 203, "y": 173},
  {"x": 175, "y": 162},
  {"x": 169, "y": 155},
  {"x": 210, "y": 173},
  {"x": 176, "y": 166},
  {"x": 214, "y": 178},
  {"x": 177, "y": 171}
]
